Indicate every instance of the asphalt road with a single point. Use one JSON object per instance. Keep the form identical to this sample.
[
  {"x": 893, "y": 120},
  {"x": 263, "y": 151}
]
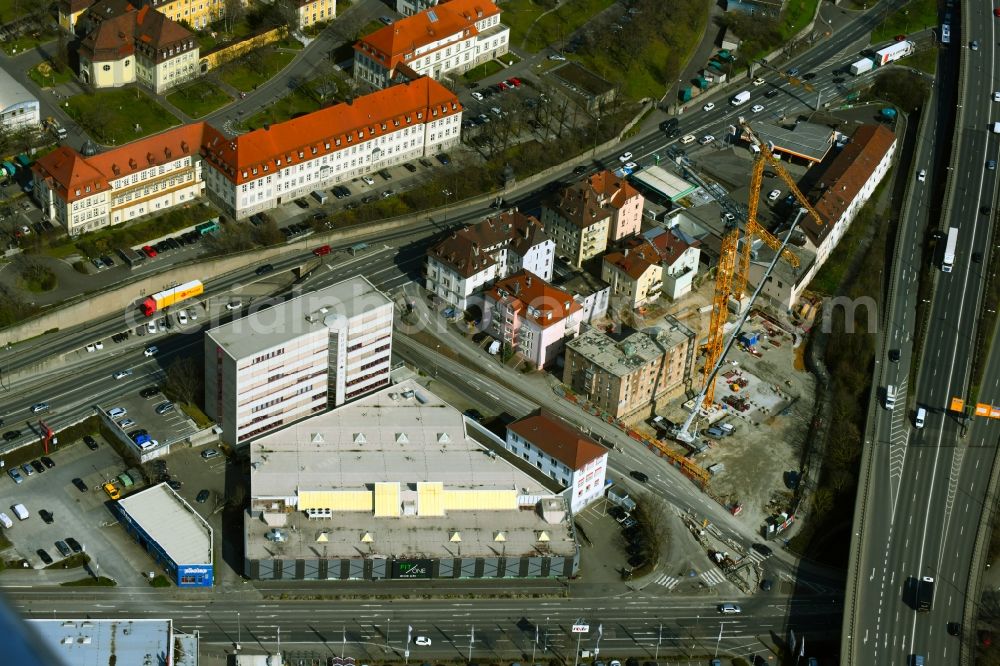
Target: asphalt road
[{"x": 929, "y": 484}]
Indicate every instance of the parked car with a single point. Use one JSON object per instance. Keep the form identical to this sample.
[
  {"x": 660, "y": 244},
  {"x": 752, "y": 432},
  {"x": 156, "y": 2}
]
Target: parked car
[
  {"x": 202, "y": 496},
  {"x": 63, "y": 548},
  {"x": 45, "y": 557},
  {"x": 16, "y": 475},
  {"x": 208, "y": 454},
  {"x": 80, "y": 485},
  {"x": 164, "y": 408},
  {"x": 90, "y": 442},
  {"x": 74, "y": 545},
  {"x": 38, "y": 466}
]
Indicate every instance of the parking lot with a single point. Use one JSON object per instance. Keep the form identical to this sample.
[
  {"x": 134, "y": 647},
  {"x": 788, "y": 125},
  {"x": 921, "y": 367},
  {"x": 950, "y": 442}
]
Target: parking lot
[
  {"x": 81, "y": 514},
  {"x": 148, "y": 419}
]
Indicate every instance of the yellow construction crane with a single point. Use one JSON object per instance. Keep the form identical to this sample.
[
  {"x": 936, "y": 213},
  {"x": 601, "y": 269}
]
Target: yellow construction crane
[{"x": 734, "y": 262}]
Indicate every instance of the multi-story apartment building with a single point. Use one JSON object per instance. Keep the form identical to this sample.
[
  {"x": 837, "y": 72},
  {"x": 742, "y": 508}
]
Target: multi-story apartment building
[
  {"x": 312, "y": 12},
  {"x": 634, "y": 272},
  {"x": 146, "y": 176},
  {"x": 452, "y": 37},
  {"x": 563, "y": 453},
  {"x": 262, "y": 169},
  {"x": 284, "y": 363},
  {"x": 585, "y": 217},
  {"x": 196, "y": 13},
  {"x": 531, "y": 317},
  {"x": 475, "y": 257},
  {"x": 627, "y": 378},
  {"x": 126, "y": 45},
  {"x": 679, "y": 256}
]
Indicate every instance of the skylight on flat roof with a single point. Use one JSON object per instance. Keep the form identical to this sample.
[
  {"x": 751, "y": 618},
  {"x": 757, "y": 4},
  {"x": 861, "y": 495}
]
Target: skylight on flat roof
[{"x": 432, "y": 16}]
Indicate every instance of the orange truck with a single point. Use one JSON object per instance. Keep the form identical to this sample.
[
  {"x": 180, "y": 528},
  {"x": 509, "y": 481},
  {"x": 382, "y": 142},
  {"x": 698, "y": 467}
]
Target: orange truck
[{"x": 168, "y": 297}]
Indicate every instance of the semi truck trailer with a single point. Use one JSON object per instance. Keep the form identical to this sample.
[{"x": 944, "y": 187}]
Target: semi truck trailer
[{"x": 168, "y": 297}]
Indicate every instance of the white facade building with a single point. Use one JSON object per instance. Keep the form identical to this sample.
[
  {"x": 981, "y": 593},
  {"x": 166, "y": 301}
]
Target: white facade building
[
  {"x": 284, "y": 363},
  {"x": 452, "y": 37},
  {"x": 475, "y": 257},
  {"x": 262, "y": 169},
  {"x": 18, "y": 107},
  {"x": 144, "y": 177},
  {"x": 562, "y": 453}
]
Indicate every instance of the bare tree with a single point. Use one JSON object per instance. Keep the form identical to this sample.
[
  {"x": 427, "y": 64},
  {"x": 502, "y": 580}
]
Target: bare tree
[
  {"x": 232, "y": 13},
  {"x": 184, "y": 380}
]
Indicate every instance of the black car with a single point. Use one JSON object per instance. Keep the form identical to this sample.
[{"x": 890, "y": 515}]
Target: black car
[
  {"x": 202, "y": 496},
  {"x": 809, "y": 77},
  {"x": 762, "y": 549},
  {"x": 38, "y": 466},
  {"x": 894, "y": 355},
  {"x": 149, "y": 392},
  {"x": 74, "y": 545},
  {"x": 425, "y": 162},
  {"x": 634, "y": 549},
  {"x": 443, "y": 158},
  {"x": 838, "y": 80},
  {"x": 641, "y": 477},
  {"x": 11, "y": 435},
  {"x": 766, "y": 585},
  {"x": 580, "y": 170},
  {"x": 474, "y": 414},
  {"x": 985, "y": 210},
  {"x": 45, "y": 557},
  {"x": 90, "y": 442},
  {"x": 46, "y": 516},
  {"x": 977, "y": 257},
  {"x": 80, "y": 485},
  {"x": 616, "y": 512},
  {"x": 301, "y": 203},
  {"x": 107, "y": 261},
  {"x": 772, "y": 93},
  {"x": 176, "y": 485},
  {"x": 48, "y": 462},
  {"x": 409, "y": 167},
  {"x": 954, "y": 628},
  {"x": 63, "y": 548},
  {"x": 265, "y": 269},
  {"x": 385, "y": 174}
]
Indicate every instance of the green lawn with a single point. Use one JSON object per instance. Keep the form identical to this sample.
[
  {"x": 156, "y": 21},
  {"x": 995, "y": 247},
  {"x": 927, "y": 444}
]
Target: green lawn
[
  {"x": 245, "y": 76},
  {"x": 290, "y": 43},
  {"x": 558, "y": 25},
  {"x": 915, "y": 15},
  {"x": 488, "y": 68},
  {"x": 199, "y": 98},
  {"x": 12, "y": 9},
  {"x": 112, "y": 116},
  {"x": 51, "y": 78},
  {"x": 924, "y": 59},
  {"x": 519, "y": 15},
  {"x": 646, "y": 77},
  {"x": 27, "y": 42},
  {"x": 295, "y": 103},
  {"x": 796, "y": 15}
]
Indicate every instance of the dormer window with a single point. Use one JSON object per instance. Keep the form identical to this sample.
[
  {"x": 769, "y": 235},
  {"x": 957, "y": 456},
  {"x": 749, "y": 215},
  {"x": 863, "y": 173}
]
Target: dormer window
[
  {"x": 278, "y": 161},
  {"x": 420, "y": 115},
  {"x": 245, "y": 174},
  {"x": 327, "y": 145},
  {"x": 265, "y": 167},
  {"x": 254, "y": 170},
  {"x": 336, "y": 142},
  {"x": 314, "y": 150}
]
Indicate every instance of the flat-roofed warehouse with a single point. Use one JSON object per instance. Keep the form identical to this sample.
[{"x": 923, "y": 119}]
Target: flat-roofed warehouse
[
  {"x": 657, "y": 180},
  {"x": 808, "y": 142},
  {"x": 392, "y": 486},
  {"x": 173, "y": 533}
]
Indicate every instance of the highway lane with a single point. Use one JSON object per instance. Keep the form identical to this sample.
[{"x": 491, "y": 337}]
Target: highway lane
[
  {"x": 929, "y": 527},
  {"x": 504, "y": 626}
]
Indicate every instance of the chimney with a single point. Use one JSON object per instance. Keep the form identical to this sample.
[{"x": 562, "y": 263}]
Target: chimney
[
  {"x": 267, "y": 126},
  {"x": 527, "y": 282}
]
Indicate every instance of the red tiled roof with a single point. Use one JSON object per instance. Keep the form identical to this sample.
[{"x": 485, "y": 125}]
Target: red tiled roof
[
  {"x": 393, "y": 43},
  {"x": 635, "y": 258},
  {"x": 467, "y": 251},
  {"x": 556, "y": 438},
  {"x": 534, "y": 299},
  {"x": 616, "y": 190},
  {"x": 120, "y": 24},
  {"x": 670, "y": 246},
  {"x": 67, "y": 171},
  {"x": 380, "y": 113},
  {"x": 846, "y": 175}
]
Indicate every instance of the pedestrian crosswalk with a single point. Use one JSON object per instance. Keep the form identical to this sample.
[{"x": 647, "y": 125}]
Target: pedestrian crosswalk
[
  {"x": 666, "y": 581},
  {"x": 756, "y": 557},
  {"x": 712, "y": 577}
]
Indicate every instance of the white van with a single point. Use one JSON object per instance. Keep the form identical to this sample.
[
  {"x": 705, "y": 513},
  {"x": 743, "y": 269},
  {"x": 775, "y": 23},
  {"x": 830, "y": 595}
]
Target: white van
[
  {"x": 6, "y": 521},
  {"x": 921, "y": 416},
  {"x": 20, "y": 511},
  {"x": 890, "y": 396}
]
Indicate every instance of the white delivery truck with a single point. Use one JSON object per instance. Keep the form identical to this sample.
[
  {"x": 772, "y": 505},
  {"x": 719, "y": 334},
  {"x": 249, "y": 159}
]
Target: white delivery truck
[
  {"x": 996, "y": 128},
  {"x": 949, "y": 250},
  {"x": 860, "y": 67},
  {"x": 740, "y": 98}
]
